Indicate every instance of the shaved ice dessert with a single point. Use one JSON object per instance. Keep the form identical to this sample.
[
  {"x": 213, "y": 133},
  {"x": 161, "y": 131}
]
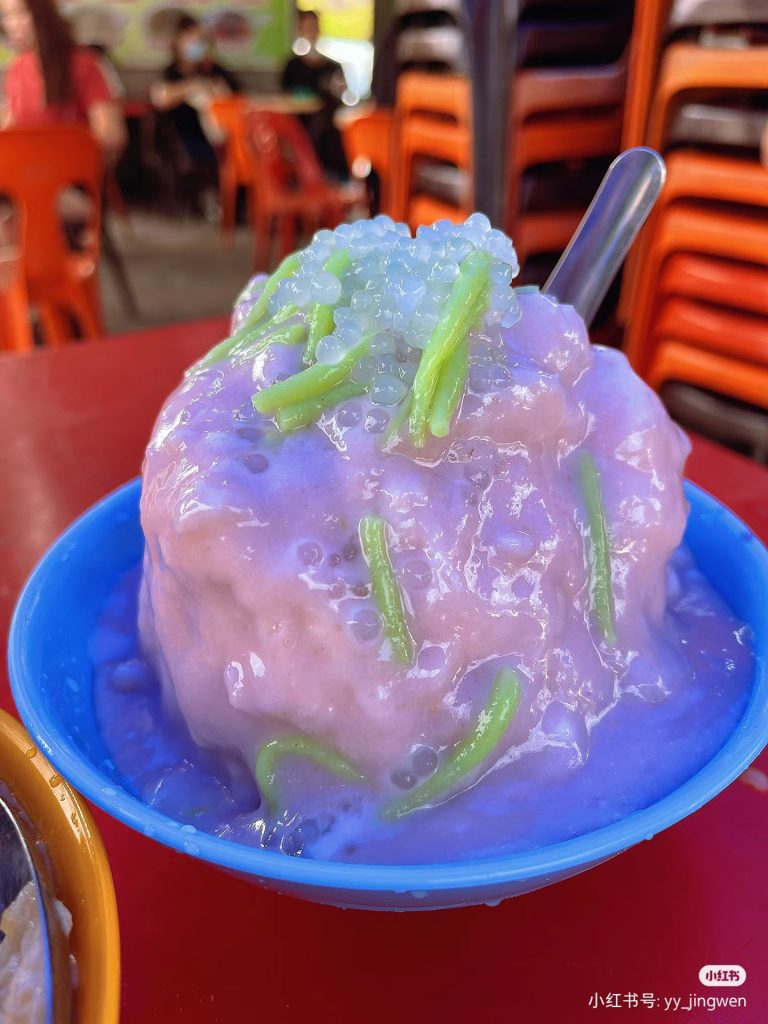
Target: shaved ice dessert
[{"x": 413, "y": 585}]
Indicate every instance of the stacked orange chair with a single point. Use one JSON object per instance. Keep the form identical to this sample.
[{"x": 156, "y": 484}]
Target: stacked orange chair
[
  {"x": 695, "y": 300},
  {"x": 37, "y": 167},
  {"x": 433, "y": 124},
  {"x": 566, "y": 105},
  {"x": 289, "y": 192}
]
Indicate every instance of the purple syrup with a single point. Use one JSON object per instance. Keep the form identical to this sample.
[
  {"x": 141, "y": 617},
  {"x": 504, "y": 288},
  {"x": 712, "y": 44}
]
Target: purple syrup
[{"x": 638, "y": 753}]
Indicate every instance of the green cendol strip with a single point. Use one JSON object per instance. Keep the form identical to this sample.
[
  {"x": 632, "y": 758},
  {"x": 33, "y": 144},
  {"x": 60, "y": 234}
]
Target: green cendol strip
[
  {"x": 386, "y": 591},
  {"x": 298, "y": 745},
  {"x": 469, "y": 753},
  {"x": 600, "y": 562}
]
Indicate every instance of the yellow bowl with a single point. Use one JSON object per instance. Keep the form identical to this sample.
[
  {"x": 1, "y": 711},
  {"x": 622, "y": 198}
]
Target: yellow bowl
[{"x": 80, "y": 868}]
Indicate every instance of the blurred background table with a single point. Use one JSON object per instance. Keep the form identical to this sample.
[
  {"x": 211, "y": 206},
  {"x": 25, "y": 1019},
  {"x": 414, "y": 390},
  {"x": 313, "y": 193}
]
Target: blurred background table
[
  {"x": 284, "y": 103},
  {"x": 201, "y": 946}
]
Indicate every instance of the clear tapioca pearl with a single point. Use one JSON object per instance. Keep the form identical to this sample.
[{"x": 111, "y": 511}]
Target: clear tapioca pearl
[
  {"x": 386, "y": 389},
  {"x": 365, "y": 625},
  {"x": 310, "y": 553},
  {"x": 256, "y": 462},
  {"x": 424, "y": 761},
  {"x": 376, "y": 421},
  {"x": 326, "y": 288},
  {"x": 349, "y": 415},
  {"x": 403, "y": 779},
  {"x": 332, "y": 348}
]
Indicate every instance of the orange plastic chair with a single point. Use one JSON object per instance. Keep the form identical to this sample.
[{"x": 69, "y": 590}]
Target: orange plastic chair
[
  {"x": 687, "y": 66},
  {"x": 289, "y": 189},
  {"x": 647, "y": 38},
  {"x": 568, "y": 133},
  {"x": 37, "y": 166},
  {"x": 566, "y": 138},
  {"x": 424, "y": 209},
  {"x": 674, "y": 360},
  {"x": 235, "y": 163},
  {"x": 544, "y": 232},
  {"x": 433, "y": 120},
  {"x": 367, "y": 144},
  {"x": 690, "y": 176},
  {"x": 15, "y": 325},
  {"x": 552, "y": 140},
  {"x": 694, "y": 176},
  {"x": 687, "y": 228},
  {"x": 728, "y": 332},
  {"x": 542, "y": 90},
  {"x": 713, "y": 280}
]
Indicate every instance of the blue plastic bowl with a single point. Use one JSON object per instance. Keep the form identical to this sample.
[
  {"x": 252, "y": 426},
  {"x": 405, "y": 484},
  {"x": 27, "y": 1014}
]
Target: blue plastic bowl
[{"x": 48, "y": 646}]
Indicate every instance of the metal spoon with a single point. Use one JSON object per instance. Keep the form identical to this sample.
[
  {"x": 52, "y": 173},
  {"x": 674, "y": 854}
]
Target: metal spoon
[
  {"x": 621, "y": 205},
  {"x": 21, "y": 864}
]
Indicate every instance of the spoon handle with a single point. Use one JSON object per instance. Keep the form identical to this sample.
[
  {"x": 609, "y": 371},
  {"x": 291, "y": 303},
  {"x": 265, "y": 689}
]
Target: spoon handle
[{"x": 592, "y": 259}]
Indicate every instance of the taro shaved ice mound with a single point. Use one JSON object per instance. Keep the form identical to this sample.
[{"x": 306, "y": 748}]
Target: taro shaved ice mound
[{"x": 409, "y": 540}]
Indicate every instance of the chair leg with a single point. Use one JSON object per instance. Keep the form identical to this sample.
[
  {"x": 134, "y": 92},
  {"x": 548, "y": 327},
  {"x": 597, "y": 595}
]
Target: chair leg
[
  {"x": 114, "y": 258},
  {"x": 286, "y": 235},
  {"x": 91, "y": 318},
  {"x": 88, "y": 319},
  {"x": 56, "y": 327},
  {"x": 15, "y": 326},
  {"x": 261, "y": 240},
  {"x": 228, "y": 202}
]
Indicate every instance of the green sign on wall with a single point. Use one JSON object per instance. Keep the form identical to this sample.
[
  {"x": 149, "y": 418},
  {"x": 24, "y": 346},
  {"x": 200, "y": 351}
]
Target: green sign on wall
[{"x": 251, "y": 35}]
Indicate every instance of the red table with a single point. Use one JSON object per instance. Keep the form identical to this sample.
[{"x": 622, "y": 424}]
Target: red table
[{"x": 200, "y": 946}]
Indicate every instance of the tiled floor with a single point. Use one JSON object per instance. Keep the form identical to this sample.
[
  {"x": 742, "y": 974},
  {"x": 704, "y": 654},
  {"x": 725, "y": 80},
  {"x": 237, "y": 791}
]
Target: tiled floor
[{"x": 178, "y": 269}]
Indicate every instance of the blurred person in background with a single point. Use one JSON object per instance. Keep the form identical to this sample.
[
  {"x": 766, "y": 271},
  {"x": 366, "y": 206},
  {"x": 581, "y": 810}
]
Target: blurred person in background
[
  {"x": 310, "y": 73},
  {"x": 188, "y": 84},
  {"x": 54, "y": 81}
]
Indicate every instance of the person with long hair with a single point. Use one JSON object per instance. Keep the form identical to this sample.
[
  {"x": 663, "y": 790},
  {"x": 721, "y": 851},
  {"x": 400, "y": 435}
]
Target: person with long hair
[{"x": 54, "y": 81}]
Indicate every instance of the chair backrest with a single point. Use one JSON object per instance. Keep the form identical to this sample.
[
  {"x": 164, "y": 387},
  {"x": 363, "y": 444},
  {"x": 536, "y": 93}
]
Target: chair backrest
[
  {"x": 15, "y": 323},
  {"x": 229, "y": 114},
  {"x": 370, "y": 138},
  {"x": 697, "y": 13},
  {"x": 37, "y": 166},
  {"x": 444, "y": 96},
  {"x": 439, "y": 46},
  {"x": 280, "y": 142}
]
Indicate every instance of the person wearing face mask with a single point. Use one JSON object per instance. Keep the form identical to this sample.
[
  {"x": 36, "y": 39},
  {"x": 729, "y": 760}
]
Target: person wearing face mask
[
  {"x": 188, "y": 84},
  {"x": 311, "y": 73}
]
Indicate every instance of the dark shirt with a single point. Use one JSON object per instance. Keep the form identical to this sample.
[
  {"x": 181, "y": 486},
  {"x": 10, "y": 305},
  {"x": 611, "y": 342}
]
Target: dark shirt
[
  {"x": 184, "y": 117},
  {"x": 314, "y": 78}
]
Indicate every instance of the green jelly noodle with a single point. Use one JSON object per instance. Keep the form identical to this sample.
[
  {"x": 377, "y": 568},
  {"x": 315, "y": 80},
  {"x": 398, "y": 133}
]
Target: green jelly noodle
[
  {"x": 313, "y": 382},
  {"x": 301, "y": 414},
  {"x": 469, "y": 753},
  {"x": 230, "y": 346},
  {"x": 450, "y": 387},
  {"x": 600, "y": 560},
  {"x": 386, "y": 591},
  {"x": 441, "y": 375},
  {"x": 465, "y": 306},
  {"x": 298, "y": 745}
]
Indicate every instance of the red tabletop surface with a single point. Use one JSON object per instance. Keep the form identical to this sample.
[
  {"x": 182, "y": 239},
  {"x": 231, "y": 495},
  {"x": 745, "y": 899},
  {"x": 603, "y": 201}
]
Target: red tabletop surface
[{"x": 202, "y": 946}]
